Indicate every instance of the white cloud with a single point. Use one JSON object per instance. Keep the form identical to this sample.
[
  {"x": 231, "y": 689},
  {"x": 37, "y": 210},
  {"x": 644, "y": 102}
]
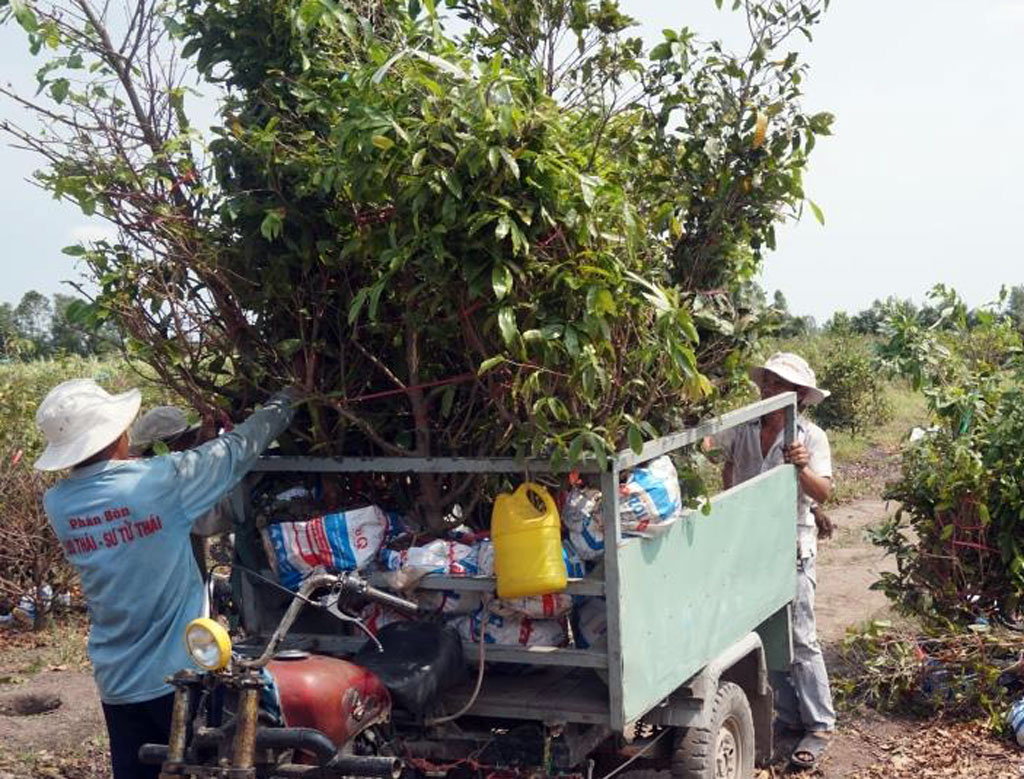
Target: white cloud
[{"x": 92, "y": 232}]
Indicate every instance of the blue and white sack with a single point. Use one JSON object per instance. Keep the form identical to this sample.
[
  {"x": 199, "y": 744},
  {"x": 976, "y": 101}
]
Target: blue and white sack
[
  {"x": 650, "y": 499},
  {"x": 510, "y": 629},
  {"x": 649, "y": 502},
  {"x": 1015, "y": 719},
  {"x": 345, "y": 541},
  {"x": 581, "y": 516}
]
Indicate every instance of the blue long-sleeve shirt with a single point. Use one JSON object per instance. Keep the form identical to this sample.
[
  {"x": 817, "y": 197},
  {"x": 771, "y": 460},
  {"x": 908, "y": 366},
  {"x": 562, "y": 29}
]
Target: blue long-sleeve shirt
[{"x": 124, "y": 525}]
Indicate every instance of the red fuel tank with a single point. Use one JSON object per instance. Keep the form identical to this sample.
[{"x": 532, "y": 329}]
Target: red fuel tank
[{"x": 336, "y": 697}]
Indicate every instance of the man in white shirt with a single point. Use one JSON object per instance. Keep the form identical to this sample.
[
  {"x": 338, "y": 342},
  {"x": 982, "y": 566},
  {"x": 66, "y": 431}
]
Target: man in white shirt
[{"x": 803, "y": 697}]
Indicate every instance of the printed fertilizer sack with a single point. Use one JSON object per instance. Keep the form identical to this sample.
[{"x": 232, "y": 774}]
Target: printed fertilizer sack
[
  {"x": 581, "y": 516},
  {"x": 514, "y": 630},
  {"x": 650, "y": 499},
  {"x": 535, "y": 607},
  {"x": 375, "y": 616},
  {"x": 441, "y": 556},
  {"x": 345, "y": 541},
  {"x": 649, "y": 502},
  {"x": 574, "y": 565}
]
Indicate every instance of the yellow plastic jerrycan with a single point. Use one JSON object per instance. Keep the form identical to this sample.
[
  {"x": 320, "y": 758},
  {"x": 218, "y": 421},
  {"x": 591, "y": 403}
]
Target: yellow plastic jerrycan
[{"x": 527, "y": 544}]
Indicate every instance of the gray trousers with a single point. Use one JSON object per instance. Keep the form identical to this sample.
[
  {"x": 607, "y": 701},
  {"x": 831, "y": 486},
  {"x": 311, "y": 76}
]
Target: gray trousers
[{"x": 803, "y": 698}]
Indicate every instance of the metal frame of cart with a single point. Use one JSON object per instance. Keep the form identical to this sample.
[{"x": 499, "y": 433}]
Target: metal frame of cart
[{"x": 683, "y": 608}]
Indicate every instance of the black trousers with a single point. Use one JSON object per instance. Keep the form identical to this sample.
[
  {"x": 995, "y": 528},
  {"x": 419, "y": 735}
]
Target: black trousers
[{"x": 130, "y": 725}]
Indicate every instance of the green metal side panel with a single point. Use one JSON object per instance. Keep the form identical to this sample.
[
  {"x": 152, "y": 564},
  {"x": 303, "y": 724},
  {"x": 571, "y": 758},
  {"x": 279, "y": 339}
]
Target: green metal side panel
[{"x": 687, "y": 595}]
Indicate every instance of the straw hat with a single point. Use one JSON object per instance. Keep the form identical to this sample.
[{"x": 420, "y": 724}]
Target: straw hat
[
  {"x": 794, "y": 369},
  {"x": 79, "y": 418}
]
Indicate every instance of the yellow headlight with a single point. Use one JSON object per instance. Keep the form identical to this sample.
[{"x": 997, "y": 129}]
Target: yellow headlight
[{"x": 208, "y": 643}]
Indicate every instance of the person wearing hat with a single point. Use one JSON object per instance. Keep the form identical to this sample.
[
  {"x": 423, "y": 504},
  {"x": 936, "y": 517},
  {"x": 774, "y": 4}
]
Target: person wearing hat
[
  {"x": 124, "y": 524},
  {"x": 163, "y": 424},
  {"x": 803, "y": 702}
]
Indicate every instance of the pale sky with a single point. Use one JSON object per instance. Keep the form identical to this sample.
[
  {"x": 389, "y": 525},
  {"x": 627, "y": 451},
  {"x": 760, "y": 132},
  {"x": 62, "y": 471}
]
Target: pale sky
[{"x": 921, "y": 182}]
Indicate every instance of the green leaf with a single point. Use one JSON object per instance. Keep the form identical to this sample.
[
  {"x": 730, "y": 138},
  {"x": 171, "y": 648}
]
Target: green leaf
[
  {"x": 510, "y": 161},
  {"x": 947, "y": 532},
  {"x": 507, "y": 326},
  {"x": 576, "y": 448},
  {"x": 662, "y": 51},
  {"x": 24, "y": 15},
  {"x": 818, "y": 214},
  {"x": 288, "y": 347},
  {"x": 501, "y": 280},
  {"x": 452, "y": 182},
  {"x": 357, "y": 305},
  {"x": 600, "y": 301},
  {"x": 382, "y": 142},
  {"x": 636, "y": 439},
  {"x": 272, "y": 224},
  {"x": 59, "y": 89},
  {"x": 489, "y": 364},
  {"x": 502, "y": 228}
]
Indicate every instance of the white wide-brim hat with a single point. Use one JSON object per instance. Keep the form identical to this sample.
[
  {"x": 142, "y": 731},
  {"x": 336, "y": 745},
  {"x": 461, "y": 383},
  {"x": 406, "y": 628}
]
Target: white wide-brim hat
[
  {"x": 79, "y": 419},
  {"x": 794, "y": 369}
]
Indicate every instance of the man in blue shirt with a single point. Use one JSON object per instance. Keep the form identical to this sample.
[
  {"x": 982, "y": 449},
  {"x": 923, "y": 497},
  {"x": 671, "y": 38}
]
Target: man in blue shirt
[{"x": 124, "y": 524}]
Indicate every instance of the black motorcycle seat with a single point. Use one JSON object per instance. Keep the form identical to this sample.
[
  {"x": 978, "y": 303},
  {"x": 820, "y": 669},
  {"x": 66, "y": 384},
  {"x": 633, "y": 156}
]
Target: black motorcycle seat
[{"x": 419, "y": 662}]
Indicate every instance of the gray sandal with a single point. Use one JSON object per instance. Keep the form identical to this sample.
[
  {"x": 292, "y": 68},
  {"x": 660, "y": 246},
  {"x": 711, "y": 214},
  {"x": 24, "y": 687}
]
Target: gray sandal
[{"x": 810, "y": 749}]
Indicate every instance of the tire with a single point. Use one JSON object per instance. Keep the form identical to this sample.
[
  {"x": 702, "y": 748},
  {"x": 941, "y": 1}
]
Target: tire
[{"x": 725, "y": 748}]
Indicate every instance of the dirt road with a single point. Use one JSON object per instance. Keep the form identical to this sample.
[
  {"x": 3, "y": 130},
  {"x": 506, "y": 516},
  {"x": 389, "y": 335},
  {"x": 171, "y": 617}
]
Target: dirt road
[
  {"x": 868, "y": 745},
  {"x": 848, "y": 564}
]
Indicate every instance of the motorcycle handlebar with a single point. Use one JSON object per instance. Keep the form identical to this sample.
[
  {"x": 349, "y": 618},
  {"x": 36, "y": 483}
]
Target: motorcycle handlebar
[
  {"x": 387, "y": 599},
  {"x": 348, "y": 583}
]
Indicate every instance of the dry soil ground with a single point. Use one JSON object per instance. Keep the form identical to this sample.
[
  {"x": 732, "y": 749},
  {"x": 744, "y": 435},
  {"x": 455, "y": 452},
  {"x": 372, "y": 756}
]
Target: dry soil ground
[{"x": 68, "y": 741}]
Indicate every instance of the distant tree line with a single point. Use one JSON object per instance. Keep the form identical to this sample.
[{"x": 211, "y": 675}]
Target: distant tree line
[
  {"x": 870, "y": 320},
  {"x": 39, "y": 326}
]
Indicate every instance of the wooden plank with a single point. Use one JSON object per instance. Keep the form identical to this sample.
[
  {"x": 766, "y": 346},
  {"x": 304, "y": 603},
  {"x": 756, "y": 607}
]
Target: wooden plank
[{"x": 687, "y": 595}]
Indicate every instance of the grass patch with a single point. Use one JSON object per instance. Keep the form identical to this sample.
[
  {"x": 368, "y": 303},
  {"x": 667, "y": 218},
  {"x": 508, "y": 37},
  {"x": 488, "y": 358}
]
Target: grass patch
[
  {"x": 862, "y": 463},
  {"x": 61, "y": 644},
  {"x": 909, "y": 410}
]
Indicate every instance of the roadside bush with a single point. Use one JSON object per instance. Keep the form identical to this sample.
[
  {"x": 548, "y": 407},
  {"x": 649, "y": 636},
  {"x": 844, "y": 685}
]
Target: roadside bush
[
  {"x": 858, "y": 399},
  {"x": 24, "y": 384},
  {"x": 30, "y": 555},
  {"x": 31, "y": 559},
  {"x": 957, "y": 535}
]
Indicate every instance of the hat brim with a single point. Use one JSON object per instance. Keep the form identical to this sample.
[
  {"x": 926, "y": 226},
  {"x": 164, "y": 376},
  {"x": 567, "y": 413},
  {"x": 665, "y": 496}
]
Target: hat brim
[
  {"x": 125, "y": 407},
  {"x": 813, "y": 395}
]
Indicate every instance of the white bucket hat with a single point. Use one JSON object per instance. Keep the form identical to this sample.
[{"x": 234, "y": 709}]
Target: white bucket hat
[
  {"x": 79, "y": 418},
  {"x": 160, "y": 423},
  {"x": 794, "y": 369}
]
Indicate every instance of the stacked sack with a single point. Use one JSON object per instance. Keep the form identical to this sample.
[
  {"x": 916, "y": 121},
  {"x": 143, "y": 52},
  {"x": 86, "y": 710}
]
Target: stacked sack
[
  {"x": 341, "y": 541},
  {"x": 534, "y": 621},
  {"x": 650, "y": 502}
]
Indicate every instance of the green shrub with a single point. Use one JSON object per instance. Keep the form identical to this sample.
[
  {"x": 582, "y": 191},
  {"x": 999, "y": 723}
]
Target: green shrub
[
  {"x": 24, "y": 384},
  {"x": 858, "y": 399},
  {"x": 957, "y": 535}
]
